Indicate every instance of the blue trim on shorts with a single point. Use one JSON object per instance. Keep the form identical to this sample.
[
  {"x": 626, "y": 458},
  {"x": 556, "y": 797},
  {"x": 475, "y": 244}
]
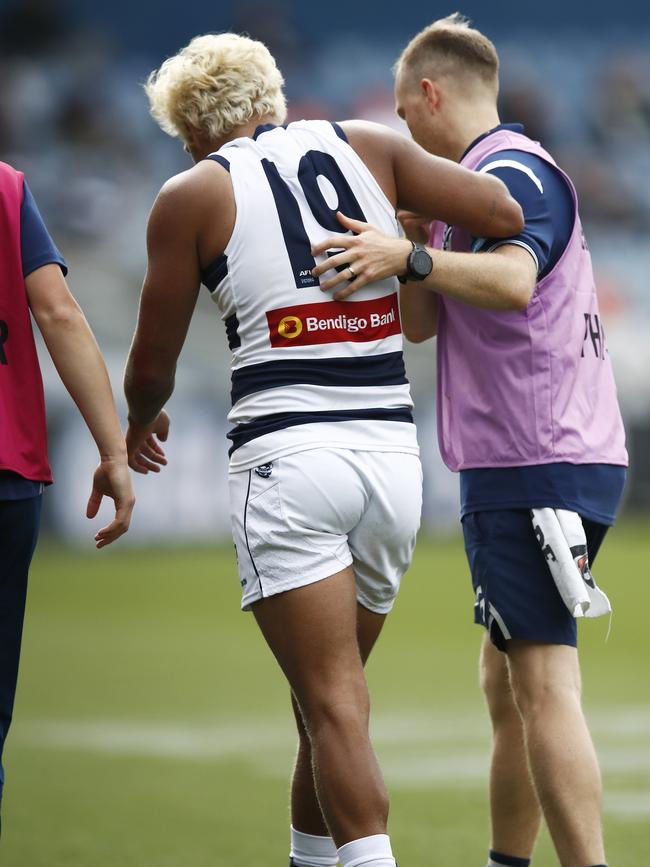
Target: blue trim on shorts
[
  {"x": 512, "y": 583},
  {"x": 248, "y": 547}
]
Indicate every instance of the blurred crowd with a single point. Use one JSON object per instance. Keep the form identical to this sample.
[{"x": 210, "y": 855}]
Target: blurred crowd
[
  {"x": 71, "y": 107},
  {"x": 74, "y": 118}
]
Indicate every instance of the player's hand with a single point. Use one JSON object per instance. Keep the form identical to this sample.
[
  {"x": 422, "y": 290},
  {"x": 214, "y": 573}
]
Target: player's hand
[
  {"x": 368, "y": 254},
  {"x": 416, "y": 228},
  {"x": 112, "y": 479},
  {"x": 143, "y": 444}
]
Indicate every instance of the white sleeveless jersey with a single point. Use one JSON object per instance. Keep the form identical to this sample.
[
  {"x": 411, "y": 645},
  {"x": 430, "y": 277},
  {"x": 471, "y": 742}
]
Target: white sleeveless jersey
[{"x": 307, "y": 371}]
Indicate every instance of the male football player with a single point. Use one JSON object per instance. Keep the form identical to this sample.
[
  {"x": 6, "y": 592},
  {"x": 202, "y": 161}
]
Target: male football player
[
  {"x": 527, "y": 412},
  {"x": 32, "y": 280},
  {"x": 325, "y": 479}
]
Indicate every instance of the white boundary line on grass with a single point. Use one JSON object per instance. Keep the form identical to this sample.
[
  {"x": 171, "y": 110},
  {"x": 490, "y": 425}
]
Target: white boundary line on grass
[{"x": 417, "y": 750}]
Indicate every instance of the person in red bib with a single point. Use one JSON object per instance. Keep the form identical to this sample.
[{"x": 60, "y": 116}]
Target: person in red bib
[{"x": 32, "y": 279}]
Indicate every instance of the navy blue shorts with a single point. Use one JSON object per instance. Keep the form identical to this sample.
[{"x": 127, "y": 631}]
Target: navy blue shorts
[
  {"x": 516, "y": 596},
  {"x": 19, "y": 524}
]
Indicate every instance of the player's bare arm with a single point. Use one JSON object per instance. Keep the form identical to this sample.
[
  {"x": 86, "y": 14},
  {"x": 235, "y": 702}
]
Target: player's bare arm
[
  {"x": 435, "y": 188},
  {"x": 502, "y": 280},
  {"x": 419, "y": 308},
  {"x": 178, "y": 244},
  {"x": 79, "y": 363}
]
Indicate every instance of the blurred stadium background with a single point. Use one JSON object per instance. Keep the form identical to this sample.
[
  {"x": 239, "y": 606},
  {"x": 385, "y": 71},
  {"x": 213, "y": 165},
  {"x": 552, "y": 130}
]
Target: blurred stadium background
[{"x": 151, "y": 725}]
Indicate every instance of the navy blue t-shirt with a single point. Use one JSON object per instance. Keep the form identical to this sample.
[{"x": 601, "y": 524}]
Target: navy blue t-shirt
[
  {"x": 37, "y": 249},
  {"x": 592, "y": 490}
]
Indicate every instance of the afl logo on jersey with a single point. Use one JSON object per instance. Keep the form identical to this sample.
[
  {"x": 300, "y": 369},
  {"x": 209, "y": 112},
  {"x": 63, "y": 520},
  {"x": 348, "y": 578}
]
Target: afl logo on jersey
[{"x": 290, "y": 327}]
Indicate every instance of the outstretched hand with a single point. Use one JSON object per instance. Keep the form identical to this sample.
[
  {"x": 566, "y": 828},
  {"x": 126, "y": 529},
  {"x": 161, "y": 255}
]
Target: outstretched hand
[
  {"x": 368, "y": 254},
  {"x": 112, "y": 479}
]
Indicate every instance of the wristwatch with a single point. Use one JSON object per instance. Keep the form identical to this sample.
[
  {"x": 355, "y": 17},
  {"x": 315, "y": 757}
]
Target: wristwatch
[{"x": 418, "y": 265}]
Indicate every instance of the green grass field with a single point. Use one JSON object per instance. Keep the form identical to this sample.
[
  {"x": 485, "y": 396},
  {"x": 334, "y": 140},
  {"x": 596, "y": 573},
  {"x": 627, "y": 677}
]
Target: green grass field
[{"x": 152, "y": 727}]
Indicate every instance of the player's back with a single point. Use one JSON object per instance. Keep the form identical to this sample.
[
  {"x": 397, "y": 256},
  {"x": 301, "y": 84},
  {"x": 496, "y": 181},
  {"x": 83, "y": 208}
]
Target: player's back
[{"x": 307, "y": 371}]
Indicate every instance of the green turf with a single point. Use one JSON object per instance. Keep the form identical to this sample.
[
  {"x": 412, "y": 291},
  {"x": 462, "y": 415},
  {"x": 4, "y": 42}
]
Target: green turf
[{"x": 152, "y": 727}]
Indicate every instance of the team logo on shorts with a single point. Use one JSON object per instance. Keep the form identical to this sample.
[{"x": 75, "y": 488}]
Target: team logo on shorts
[
  {"x": 334, "y": 322},
  {"x": 264, "y": 470}
]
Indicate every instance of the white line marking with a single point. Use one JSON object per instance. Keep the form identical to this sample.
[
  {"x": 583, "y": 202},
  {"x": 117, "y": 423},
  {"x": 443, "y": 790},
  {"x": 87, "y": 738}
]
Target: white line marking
[{"x": 416, "y": 750}]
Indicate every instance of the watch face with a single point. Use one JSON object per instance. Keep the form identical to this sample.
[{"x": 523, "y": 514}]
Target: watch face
[{"x": 421, "y": 263}]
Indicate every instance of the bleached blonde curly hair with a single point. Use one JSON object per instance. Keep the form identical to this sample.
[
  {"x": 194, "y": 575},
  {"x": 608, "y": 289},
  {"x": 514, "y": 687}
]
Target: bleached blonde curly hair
[{"x": 214, "y": 85}]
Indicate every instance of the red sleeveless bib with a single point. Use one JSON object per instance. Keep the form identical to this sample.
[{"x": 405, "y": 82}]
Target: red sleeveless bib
[{"x": 23, "y": 435}]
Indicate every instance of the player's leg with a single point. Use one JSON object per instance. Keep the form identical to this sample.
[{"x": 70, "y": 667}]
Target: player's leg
[
  {"x": 312, "y": 631},
  {"x": 19, "y": 523},
  {"x": 515, "y": 599},
  {"x": 546, "y": 685},
  {"x": 514, "y": 808},
  {"x": 306, "y": 814},
  {"x": 518, "y": 603},
  {"x": 293, "y": 523},
  {"x": 310, "y": 840}
]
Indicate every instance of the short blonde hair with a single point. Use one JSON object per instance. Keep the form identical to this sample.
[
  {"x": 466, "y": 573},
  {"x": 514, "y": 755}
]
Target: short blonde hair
[
  {"x": 450, "y": 46},
  {"x": 214, "y": 85}
]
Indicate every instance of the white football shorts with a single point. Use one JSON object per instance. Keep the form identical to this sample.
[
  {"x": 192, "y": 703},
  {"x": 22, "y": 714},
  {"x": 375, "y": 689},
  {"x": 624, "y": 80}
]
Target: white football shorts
[{"x": 309, "y": 515}]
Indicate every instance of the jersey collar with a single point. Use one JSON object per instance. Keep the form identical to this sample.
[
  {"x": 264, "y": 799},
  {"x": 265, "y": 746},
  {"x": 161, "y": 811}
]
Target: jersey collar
[{"x": 512, "y": 127}]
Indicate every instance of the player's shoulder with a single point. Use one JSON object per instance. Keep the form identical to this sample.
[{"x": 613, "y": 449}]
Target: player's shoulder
[
  {"x": 370, "y": 132},
  {"x": 194, "y": 189},
  {"x": 379, "y": 146},
  {"x": 193, "y": 181}
]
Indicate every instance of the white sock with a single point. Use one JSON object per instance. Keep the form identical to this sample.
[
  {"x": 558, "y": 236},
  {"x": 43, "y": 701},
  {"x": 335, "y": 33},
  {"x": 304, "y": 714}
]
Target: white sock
[
  {"x": 372, "y": 851},
  {"x": 307, "y": 850}
]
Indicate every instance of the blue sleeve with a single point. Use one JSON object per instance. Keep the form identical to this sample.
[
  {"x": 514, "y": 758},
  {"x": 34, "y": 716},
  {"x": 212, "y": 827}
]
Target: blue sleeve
[
  {"x": 545, "y": 199},
  {"x": 36, "y": 246}
]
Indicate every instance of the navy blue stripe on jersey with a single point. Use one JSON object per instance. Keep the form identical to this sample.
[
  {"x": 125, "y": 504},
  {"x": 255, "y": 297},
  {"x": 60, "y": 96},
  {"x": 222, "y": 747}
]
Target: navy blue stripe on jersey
[
  {"x": 547, "y": 203},
  {"x": 315, "y": 163},
  {"x": 371, "y": 370},
  {"x": 267, "y": 127},
  {"x": 36, "y": 246},
  {"x": 339, "y": 131},
  {"x": 244, "y": 433},
  {"x": 219, "y": 159},
  {"x": 215, "y": 272},
  {"x": 296, "y": 239},
  {"x": 232, "y": 332}
]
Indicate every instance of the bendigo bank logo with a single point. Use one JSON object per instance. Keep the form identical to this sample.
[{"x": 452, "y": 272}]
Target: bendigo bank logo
[
  {"x": 290, "y": 327},
  {"x": 334, "y": 322}
]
